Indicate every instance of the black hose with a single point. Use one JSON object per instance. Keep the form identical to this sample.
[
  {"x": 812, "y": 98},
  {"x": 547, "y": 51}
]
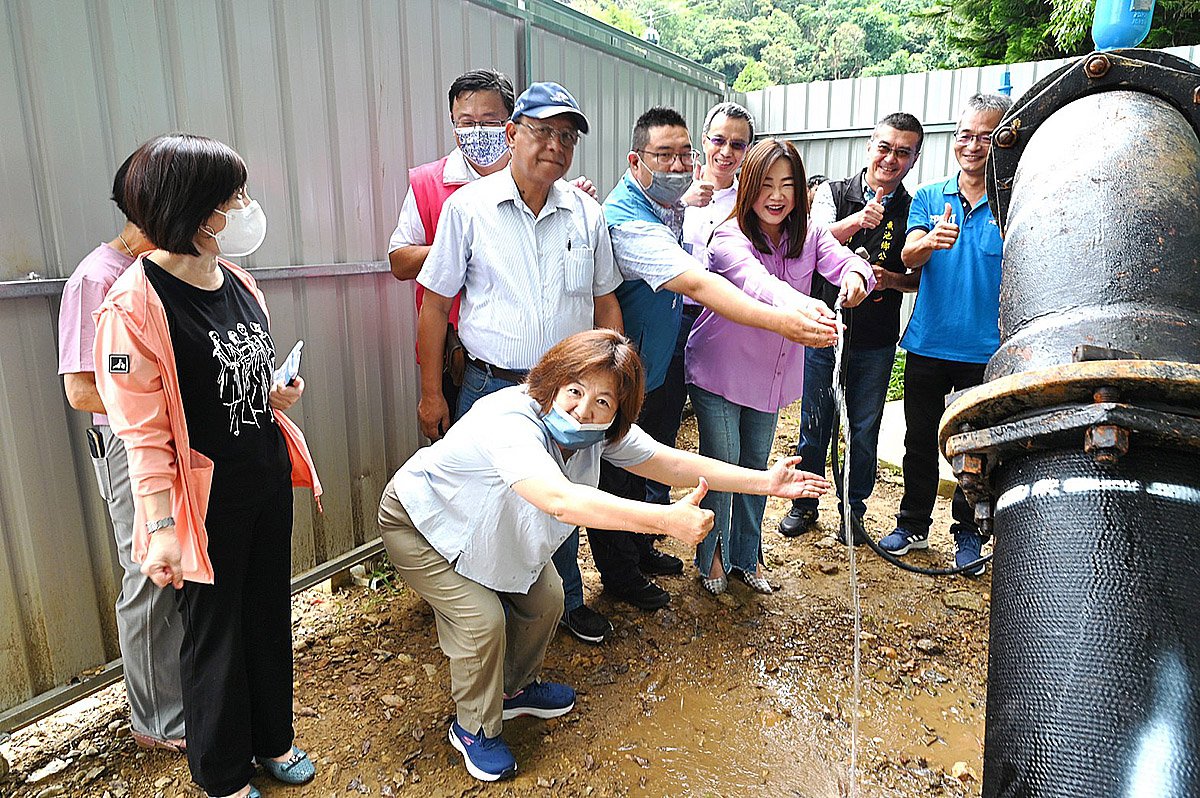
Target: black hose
[{"x": 837, "y": 466}]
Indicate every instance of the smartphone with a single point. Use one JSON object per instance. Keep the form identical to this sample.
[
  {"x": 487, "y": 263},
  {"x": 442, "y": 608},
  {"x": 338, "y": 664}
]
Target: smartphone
[
  {"x": 95, "y": 443},
  {"x": 286, "y": 373}
]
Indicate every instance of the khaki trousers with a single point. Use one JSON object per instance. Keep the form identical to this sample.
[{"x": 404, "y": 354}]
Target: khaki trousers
[{"x": 492, "y": 652}]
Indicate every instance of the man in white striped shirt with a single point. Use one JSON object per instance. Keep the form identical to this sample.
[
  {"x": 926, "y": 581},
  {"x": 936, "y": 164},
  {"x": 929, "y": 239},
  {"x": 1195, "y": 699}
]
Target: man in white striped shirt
[
  {"x": 534, "y": 258},
  {"x": 532, "y": 253}
]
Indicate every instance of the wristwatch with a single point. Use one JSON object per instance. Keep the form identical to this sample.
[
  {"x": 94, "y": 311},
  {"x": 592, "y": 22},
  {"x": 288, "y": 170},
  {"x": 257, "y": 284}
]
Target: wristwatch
[{"x": 162, "y": 523}]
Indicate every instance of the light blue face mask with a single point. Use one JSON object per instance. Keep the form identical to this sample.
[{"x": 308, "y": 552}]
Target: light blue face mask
[
  {"x": 482, "y": 146},
  {"x": 570, "y": 433}
]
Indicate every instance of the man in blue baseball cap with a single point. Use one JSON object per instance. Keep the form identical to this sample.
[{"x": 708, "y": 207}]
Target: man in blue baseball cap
[
  {"x": 546, "y": 100},
  {"x": 533, "y": 254}
]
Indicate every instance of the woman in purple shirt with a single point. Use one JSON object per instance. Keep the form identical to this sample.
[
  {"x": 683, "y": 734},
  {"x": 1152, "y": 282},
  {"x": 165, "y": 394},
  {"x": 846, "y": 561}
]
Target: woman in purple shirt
[{"x": 738, "y": 377}]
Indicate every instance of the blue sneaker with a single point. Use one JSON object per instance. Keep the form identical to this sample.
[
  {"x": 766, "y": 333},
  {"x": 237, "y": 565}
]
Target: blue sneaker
[
  {"x": 901, "y": 541},
  {"x": 967, "y": 546},
  {"x": 541, "y": 700},
  {"x": 487, "y": 759}
]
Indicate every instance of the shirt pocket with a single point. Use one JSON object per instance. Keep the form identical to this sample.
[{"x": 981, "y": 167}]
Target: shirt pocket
[
  {"x": 992, "y": 243},
  {"x": 578, "y": 268},
  {"x": 103, "y": 477}
]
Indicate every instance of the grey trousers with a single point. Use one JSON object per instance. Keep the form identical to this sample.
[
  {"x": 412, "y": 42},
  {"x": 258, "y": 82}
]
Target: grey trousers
[
  {"x": 492, "y": 652},
  {"x": 149, "y": 627}
]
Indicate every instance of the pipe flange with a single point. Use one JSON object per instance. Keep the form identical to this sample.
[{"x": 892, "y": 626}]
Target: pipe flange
[
  {"x": 1168, "y": 77},
  {"x": 1146, "y": 382}
]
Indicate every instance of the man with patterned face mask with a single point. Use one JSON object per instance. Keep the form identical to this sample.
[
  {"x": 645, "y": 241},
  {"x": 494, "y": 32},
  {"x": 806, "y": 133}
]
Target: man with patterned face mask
[
  {"x": 645, "y": 216},
  {"x": 481, "y": 101}
]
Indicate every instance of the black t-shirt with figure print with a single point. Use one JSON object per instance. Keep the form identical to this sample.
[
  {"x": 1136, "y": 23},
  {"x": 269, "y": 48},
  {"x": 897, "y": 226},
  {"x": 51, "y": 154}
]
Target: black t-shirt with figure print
[{"x": 225, "y": 358}]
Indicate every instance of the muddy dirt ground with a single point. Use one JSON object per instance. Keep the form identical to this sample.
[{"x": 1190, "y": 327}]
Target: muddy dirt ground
[{"x": 741, "y": 695}]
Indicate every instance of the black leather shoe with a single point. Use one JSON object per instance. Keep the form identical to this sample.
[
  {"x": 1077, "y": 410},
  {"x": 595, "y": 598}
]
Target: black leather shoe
[
  {"x": 798, "y": 521},
  {"x": 657, "y": 563},
  {"x": 860, "y": 531},
  {"x": 647, "y": 596},
  {"x": 586, "y": 625}
]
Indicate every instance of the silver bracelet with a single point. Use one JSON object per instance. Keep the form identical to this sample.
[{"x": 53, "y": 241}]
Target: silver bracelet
[{"x": 162, "y": 523}]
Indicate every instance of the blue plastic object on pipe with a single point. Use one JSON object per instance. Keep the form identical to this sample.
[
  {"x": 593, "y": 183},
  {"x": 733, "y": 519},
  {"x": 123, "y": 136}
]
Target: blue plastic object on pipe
[{"x": 1121, "y": 23}]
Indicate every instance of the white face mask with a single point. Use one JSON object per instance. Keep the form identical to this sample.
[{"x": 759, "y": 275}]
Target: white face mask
[{"x": 244, "y": 231}]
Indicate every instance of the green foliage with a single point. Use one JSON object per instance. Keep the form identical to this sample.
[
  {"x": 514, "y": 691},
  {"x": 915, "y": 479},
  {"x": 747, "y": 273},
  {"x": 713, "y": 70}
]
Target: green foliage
[
  {"x": 753, "y": 76},
  {"x": 1007, "y": 31},
  {"x": 757, "y": 43},
  {"x": 896, "y": 381}
]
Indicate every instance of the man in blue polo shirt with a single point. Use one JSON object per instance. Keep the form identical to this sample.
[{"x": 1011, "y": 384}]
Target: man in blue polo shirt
[
  {"x": 954, "y": 240},
  {"x": 645, "y": 219}
]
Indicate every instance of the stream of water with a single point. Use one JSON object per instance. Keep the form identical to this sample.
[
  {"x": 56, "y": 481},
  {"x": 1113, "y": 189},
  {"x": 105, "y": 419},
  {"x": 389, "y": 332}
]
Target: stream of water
[{"x": 839, "y": 396}]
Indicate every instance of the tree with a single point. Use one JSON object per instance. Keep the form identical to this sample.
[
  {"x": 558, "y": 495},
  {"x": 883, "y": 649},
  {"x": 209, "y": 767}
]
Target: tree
[
  {"x": 753, "y": 77},
  {"x": 1007, "y": 31}
]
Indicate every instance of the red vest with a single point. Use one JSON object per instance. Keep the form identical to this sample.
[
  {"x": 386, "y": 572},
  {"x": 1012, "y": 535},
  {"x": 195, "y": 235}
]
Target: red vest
[{"x": 430, "y": 193}]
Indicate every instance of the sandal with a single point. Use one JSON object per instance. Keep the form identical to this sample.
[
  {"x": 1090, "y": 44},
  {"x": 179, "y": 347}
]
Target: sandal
[
  {"x": 296, "y": 769},
  {"x": 757, "y": 583},
  {"x": 154, "y": 744}
]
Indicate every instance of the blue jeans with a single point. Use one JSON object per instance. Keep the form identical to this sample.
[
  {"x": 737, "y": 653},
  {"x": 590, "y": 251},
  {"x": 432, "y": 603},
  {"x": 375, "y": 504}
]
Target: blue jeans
[
  {"x": 867, "y": 374},
  {"x": 566, "y": 562},
  {"x": 739, "y": 435},
  {"x": 477, "y": 383},
  {"x": 676, "y": 393}
]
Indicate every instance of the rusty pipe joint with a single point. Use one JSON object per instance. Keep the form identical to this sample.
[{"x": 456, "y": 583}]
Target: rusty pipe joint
[{"x": 1107, "y": 443}]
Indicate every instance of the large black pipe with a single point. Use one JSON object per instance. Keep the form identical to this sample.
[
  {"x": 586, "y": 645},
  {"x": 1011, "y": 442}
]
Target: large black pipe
[{"x": 1080, "y": 452}]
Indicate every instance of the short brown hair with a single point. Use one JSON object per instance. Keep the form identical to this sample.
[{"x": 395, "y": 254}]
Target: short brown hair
[
  {"x": 594, "y": 351},
  {"x": 175, "y": 182},
  {"x": 759, "y": 160}
]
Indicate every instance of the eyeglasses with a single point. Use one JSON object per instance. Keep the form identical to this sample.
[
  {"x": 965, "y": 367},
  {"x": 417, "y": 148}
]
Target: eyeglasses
[
  {"x": 736, "y": 145},
  {"x": 543, "y": 133},
  {"x": 664, "y": 160},
  {"x": 487, "y": 124},
  {"x": 885, "y": 149},
  {"x": 984, "y": 139}
]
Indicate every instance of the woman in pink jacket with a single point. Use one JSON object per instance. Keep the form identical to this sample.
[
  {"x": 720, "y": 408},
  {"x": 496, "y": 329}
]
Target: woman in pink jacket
[
  {"x": 184, "y": 360},
  {"x": 739, "y": 377}
]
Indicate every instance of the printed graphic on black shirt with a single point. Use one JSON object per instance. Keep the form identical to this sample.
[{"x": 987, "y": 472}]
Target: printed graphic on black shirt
[{"x": 245, "y": 363}]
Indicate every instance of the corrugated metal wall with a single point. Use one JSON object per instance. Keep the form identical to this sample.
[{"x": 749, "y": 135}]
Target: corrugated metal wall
[
  {"x": 831, "y": 121},
  {"x": 330, "y": 102}
]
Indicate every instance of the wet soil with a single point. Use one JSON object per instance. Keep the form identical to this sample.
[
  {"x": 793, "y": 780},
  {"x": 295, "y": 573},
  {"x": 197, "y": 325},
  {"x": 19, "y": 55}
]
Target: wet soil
[{"x": 739, "y": 695}]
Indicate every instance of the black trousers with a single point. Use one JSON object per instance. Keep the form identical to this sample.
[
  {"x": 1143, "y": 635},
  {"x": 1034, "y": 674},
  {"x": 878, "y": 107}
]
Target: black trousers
[
  {"x": 617, "y": 552},
  {"x": 927, "y": 381},
  {"x": 236, "y": 659}
]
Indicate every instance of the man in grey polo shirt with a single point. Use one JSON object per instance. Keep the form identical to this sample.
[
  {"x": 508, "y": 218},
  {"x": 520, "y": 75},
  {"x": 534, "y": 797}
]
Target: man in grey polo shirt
[{"x": 533, "y": 254}]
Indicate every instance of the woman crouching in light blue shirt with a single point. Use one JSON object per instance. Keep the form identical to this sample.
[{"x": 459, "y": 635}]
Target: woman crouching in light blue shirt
[{"x": 472, "y": 521}]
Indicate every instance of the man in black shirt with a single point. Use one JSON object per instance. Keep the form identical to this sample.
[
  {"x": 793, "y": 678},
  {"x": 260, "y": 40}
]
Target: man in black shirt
[{"x": 867, "y": 210}]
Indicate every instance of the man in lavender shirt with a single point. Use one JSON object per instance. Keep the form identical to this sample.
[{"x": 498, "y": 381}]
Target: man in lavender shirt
[{"x": 148, "y": 625}]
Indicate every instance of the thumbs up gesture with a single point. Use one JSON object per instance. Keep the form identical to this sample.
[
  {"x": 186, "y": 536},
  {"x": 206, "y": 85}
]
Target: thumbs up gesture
[
  {"x": 945, "y": 232},
  {"x": 701, "y": 192},
  {"x": 871, "y": 216},
  {"x": 687, "y": 520}
]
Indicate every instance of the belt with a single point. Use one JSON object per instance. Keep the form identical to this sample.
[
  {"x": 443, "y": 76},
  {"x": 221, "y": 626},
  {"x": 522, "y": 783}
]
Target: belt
[{"x": 508, "y": 375}]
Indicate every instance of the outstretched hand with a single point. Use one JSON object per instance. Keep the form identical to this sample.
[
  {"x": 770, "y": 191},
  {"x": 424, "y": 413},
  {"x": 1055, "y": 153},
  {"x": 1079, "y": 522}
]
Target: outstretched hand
[
  {"x": 788, "y": 482},
  {"x": 687, "y": 520},
  {"x": 812, "y": 324}
]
